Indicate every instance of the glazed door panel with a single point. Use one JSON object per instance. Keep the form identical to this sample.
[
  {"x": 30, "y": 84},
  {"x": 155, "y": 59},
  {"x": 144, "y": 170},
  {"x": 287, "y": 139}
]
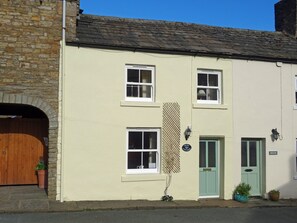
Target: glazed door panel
[
  {"x": 250, "y": 165},
  {"x": 208, "y": 168}
]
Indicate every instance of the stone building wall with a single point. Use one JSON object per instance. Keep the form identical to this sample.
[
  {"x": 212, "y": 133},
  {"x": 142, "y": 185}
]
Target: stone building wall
[
  {"x": 30, "y": 35},
  {"x": 286, "y": 17},
  {"x": 72, "y": 13},
  {"x": 29, "y": 49},
  {"x": 30, "y": 43}
]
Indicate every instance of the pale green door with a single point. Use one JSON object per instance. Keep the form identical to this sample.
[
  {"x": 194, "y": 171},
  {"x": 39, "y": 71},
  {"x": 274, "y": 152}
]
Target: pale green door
[
  {"x": 208, "y": 168},
  {"x": 250, "y": 165}
]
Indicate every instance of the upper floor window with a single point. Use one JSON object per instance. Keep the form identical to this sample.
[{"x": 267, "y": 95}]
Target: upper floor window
[
  {"x": 139, "y": 83},
  {"x": 143, "y": 150},
  {"x": 209, "y": 87}
]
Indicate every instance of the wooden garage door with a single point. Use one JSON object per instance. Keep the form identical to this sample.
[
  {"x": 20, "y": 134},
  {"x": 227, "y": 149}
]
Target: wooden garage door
[{"x": 22, "y": 145}]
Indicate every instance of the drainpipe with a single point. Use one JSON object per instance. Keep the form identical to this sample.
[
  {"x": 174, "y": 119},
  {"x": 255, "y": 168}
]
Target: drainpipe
[
  {"x": 279, "y": 65},
  {"x": 61, "y": 99}
]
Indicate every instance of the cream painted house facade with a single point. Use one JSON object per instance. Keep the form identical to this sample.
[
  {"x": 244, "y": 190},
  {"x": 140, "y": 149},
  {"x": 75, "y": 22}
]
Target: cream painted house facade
[
  {"x": 129, "y": 85},
  {"x": 96, "y": 130}
]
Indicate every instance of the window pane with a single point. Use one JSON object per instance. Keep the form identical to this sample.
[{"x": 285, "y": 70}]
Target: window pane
[
  {"x": 145, "y": 76},
  {"x": 211, "y": 154},
  {"x": 244, "y": 154},
  {"x": 145, "y": 91},
  {"x": 135, "y": 140},
  {"x": 212, "y": 94},
  {"x": 150, "y": 140},
  {"x": 202, "y": 79},
  {"x": 253, "y": 154},
  {"x": 132, "y": 90},
  {"x": 133, "y": 75},
  {"x": 150, "y": 160},
  {"x": 202, "y": 154},
  {"x": 296, "y": 97},
  {"x": 134, "y": 160},
  {"x": 213, "y": 80},
  {"x": 201, "y": 94}
]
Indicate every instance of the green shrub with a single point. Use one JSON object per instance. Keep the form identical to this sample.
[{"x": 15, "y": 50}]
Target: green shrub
[
  {"x": 41, "y": 165},
  {"x": 242, "y": 189}
]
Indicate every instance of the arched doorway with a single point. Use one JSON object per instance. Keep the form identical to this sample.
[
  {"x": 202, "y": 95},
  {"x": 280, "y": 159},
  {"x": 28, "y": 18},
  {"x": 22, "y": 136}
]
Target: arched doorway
[{"x": 23, "y": 142}]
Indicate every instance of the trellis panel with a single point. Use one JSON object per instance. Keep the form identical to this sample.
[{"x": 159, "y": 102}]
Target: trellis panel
[{"x": 171, "y": 138}]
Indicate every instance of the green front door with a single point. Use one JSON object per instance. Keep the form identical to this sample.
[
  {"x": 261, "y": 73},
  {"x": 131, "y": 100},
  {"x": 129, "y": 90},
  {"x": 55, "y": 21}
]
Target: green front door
[
  {"x": 250, "y": 165},
  {"x": 208, "y": 168}
]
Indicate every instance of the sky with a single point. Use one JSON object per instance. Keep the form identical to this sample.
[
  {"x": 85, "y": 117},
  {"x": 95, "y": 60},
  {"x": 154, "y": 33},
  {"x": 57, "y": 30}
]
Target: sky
[{"x": 245, "y": 14}]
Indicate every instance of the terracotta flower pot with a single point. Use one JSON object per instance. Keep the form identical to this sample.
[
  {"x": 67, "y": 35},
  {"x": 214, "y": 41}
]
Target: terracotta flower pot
[
  {"x": 42, "y": 178},
  {"x": 274, "y": 196}
]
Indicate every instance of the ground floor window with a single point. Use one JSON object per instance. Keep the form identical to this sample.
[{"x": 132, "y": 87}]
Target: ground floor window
[{"x": 143, "y": 150}]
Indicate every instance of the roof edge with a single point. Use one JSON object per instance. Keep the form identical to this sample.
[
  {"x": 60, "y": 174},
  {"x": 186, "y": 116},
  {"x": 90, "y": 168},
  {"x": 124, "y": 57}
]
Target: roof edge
[{"x": 186, "y": 53}]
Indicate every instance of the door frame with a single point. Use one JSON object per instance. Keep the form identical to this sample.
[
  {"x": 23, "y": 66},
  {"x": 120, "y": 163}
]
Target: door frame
[
  {"x": 219, "y": 155},
  {"x": 262, "y": 170}
]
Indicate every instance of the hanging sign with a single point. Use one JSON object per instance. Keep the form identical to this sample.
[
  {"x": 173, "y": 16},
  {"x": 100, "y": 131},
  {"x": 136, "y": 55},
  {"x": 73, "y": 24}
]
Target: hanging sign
[{"x": 186, "y": 147}]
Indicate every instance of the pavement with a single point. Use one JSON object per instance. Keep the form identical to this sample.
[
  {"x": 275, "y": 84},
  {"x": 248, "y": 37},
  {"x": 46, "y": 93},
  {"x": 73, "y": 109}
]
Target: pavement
[{"x": 22, "y": 199}]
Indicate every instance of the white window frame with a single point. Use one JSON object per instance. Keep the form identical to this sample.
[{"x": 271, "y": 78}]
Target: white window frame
[
  {"x": 157, "y": 150},
  {"x": 151, "y": 85},
  {"x": 219, "y": 87}
]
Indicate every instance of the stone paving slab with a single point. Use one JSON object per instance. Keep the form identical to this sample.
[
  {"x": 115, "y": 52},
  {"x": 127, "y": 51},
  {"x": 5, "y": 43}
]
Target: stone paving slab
[
  {"x": 32, "y": 199},
  {"x": 33, "y": 205},
  {"x": 42, "y": 205},
  {"x": 57, "y": 206},
  {"x": 4, "y": 197},
  {"x": 27, "y": 196},
  {"x": 9, "y": 206}
]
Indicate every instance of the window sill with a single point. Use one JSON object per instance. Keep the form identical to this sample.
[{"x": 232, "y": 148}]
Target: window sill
[
  {"x": 143, "y": 177},
  {"x": 140, "y": 104},
  {"x": 210, "y": 106}
]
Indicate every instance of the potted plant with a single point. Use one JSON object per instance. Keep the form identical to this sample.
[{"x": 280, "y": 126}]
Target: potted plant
[
  {"x": 242, "y": 192},
  {"x": 41, "y": 169},
  {"x": 273, "y": 195}
]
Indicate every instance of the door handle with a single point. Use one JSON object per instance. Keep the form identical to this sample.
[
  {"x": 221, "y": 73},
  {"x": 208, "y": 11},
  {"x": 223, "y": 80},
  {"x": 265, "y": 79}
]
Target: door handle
[{"x": 248, "y": 170}]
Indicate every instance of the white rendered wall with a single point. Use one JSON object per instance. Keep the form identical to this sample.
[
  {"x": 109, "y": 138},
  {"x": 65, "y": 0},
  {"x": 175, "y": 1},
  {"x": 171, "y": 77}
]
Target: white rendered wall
[{"x": 263, "y": 99}]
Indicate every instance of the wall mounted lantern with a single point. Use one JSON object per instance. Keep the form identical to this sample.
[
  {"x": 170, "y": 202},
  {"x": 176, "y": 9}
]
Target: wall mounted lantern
[
  {"x": 275, "y": 134},
  {"x": 188, "y": 132}
]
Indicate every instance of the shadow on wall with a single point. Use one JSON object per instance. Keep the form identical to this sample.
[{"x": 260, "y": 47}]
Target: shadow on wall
[{"x": 289, "y": 190}]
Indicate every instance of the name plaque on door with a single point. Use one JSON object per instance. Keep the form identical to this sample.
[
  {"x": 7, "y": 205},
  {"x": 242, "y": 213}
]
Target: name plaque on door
[
  {"x": 273, "y": 153},
  {"x": 187, "y": 147}
]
